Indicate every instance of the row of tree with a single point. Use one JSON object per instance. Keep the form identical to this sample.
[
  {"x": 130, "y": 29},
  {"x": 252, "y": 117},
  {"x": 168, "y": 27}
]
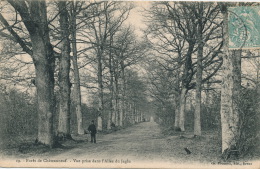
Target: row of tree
[
  {"x": 190, "y": 58},
  {"x": 187, "y": 41},
  {"x": 94, "y": 39}
]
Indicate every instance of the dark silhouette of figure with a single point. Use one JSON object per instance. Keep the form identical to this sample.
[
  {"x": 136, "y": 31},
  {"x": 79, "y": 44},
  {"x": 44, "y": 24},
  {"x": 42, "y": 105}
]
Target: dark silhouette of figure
[
  {"x": 93, "y": 131},
  {"x": 187, "y": 150}
]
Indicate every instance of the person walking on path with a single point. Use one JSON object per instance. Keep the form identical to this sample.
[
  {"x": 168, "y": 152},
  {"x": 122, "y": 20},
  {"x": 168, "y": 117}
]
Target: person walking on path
[{"x": 93, "y": 131}]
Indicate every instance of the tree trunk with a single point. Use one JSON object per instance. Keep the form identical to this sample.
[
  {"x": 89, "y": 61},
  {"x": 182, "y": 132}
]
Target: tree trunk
[
  {"x": 114, "y": 101},
  {"x": 197, "y": 121},
  {"x": 121, "y": 111},
  {"x": 109, "y": 120},
  {"x": 117, "y": 111},
  {"x": 258, "y": 93},
  {"x": 77, "y": 91},
  {"x": 45, "y": 90},
  {"x": 177, "y": 112},
  {"x": 64, "y": 69},
  {"x": 186, "y": 79},
  {"x": 99, "y": 122},
  {"x": 207, "y": 103},
  {"x": 110, "y": 114},
  {"x": 177, "y": 96},
  {"x": 122, "y": 98},
  {"x": 182, "y": 108},
  {"x": 113, "y": 118},
  {"x": 135, "y": 113},
  {"x": 34, "y": 17},
  {"x": 231, "y": 84},
  {"x": 116, "y": 98},
  {"x": 132, "y": 108},
  {"x": 130, "y": 113},
  {"x": 135, "y": 116},
  {"x": 44, "y": 62},
  {"x": 114, "y": 114},
  {"x": 258, "y": 85},
  {"x": 100, "y": 92}
]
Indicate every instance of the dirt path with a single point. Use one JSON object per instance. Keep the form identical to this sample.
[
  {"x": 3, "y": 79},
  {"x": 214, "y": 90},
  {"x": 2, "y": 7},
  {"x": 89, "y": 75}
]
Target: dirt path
[
  {"x": 139, "y": 146},
  {"x": 135, "y": 146},
  {"x": 137, "y": 143}
]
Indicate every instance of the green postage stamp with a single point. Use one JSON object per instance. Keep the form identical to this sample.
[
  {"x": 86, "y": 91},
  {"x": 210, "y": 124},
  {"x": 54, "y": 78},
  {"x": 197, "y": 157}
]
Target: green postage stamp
[{"x": 244, "y": 27}]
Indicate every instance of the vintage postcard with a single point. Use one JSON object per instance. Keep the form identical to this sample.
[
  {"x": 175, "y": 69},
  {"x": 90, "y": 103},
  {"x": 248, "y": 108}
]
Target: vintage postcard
[{"x": 129, "y": 84}]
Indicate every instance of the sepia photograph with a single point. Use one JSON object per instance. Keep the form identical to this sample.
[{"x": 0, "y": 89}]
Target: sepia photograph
[{"x": 129, "y": 84}]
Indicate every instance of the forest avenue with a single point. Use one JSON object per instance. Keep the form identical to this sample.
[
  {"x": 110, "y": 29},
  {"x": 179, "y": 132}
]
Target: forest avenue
[{"x": 139, "y": 144}]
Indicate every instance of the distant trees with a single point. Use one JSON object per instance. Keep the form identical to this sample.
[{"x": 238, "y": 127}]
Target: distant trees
[
  {"x": 127, "y": 52},
  {"x": 111, "y": 48},
  {"x": 163, "y": 89}
]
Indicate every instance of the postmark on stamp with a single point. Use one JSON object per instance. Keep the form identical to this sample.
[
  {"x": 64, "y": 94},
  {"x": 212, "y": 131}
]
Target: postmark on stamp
[{"x": 244, "y": 27}]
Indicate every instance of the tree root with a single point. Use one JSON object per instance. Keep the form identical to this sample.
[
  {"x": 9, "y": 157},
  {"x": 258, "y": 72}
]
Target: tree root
[{"x": 231, "y": 153}]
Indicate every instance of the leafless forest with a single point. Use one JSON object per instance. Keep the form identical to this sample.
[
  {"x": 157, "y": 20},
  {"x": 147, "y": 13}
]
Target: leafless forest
[{"x": 141, "y": 70}]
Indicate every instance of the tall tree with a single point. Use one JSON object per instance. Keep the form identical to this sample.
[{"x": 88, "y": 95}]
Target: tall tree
[
  {"x": 34, "y": 17},
  {"x": 64, "y": 70},
  {"x": 77, "y": 91},
  {"x": 197, "y": 121},
  {"x": 111, "y": 83},
  {"x": 230, "y": 91}
]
